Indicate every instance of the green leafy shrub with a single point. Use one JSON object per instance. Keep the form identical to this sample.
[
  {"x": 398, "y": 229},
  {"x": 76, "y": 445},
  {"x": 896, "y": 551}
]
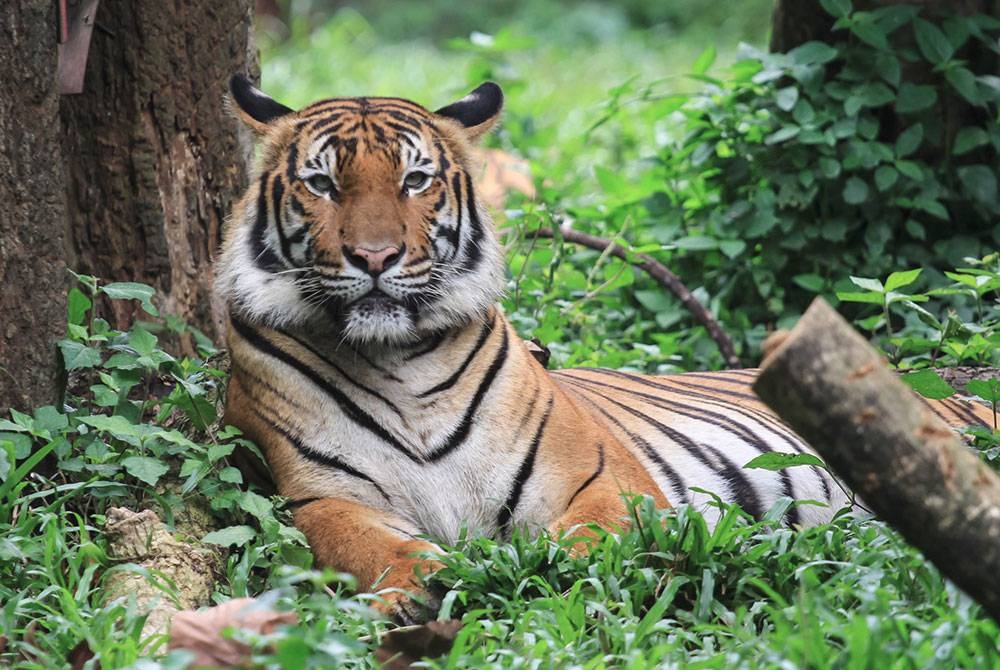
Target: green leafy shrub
[{"x": 829, "y": 157}]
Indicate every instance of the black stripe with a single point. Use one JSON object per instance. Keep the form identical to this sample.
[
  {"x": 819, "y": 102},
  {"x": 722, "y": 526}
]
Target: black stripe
[
  {"x": 430, "y": 346},
  {"x": 300, "y": 502},
  {"x": 591, "y": 478},
  {"x": 506, "y": 512},
  {"x": 263, "y": 256},
  {"x": 326, "y": 460},
  {"x": 462, "y": 431},
  {"x": 721, "y": 421},
  {"x": 350, "y": 410},
  {"x": 962, "y": 410},
  {"x": 772, "y": 421},
  {"x": 291, "y": 166},
  {"x": 484, "y": 335},
  {"x": 677, "y": 484},
  {"x": 743, "y": 491},
  {"x": 277, "y": 192},
  {"x": 456, "y": 186},
  {"x": 315, "y": 352}
]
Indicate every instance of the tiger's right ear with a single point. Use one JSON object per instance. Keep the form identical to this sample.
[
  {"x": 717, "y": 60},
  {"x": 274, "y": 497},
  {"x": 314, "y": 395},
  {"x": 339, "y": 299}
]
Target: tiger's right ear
[{"x": 254, "y": 107}]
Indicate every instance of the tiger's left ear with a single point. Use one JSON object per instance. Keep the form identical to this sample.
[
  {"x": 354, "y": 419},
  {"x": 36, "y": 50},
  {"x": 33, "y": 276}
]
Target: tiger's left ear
[
  {"x": 478, "y": 111},
  {"x": 254, "y": 107}
]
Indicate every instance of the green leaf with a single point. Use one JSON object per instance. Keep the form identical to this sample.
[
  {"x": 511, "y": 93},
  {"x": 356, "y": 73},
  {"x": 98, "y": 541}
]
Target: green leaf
[
  {"x": 987, "y": 389},
  {"x": 810, "y": 282},
  {"x": 915, "y": 98},
  {"x": 132, "y": 291},
  {"x": 964, "y": 82},
  {"x": 909, "y": 140},
  {"x": 928, "y": 384},
  {"x": 968, "y": 138},
  {"x": 697, "y": 243},
  {"x": 813, "y": 53},
  {"x": 785, "y": 98},
  {"x": 77, "y": 355},
  {"x": 776, "y": 460},
  {"x": 868, "y": 284},
  {"x": 704, "y": 61},
  {"x": 910, "y": 169},
  {"x": 255, "y": 504},
  {"x": 934, "y": 208},
  {"x": 142, "y": 341},
  {"x": 875, "y": 94},
  {"x": 230, "y": 475},
  {"x": 933, "y": 43},
  {"x": 836, "y": 8},
  {"x": 871, "y": 34},
  {"x": 900, "y": 279},
  {"x": 145, "y": 469},
  {"x": 830, "y": 167},
  {"x": 885, "y": 177},
  {"x": 851, "y": 296},
  {"x": 980, "y": 182},
  {"x": 732, "y": 248},
  {"x": 855, "y": 191},
  {"x": 782, "y": 135},
  {"x": 77, "y": 306},
  {"x": 233, "y": 535}
]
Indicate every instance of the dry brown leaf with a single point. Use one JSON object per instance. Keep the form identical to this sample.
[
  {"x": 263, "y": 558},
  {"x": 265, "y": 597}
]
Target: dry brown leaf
[
  {"x": 404, "y": 646},
  {"x": 201, "y": 631}
]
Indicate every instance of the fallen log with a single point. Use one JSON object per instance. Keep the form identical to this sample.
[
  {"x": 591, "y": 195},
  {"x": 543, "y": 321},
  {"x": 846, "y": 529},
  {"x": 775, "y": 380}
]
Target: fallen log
[{"x": 905, "y": 463}]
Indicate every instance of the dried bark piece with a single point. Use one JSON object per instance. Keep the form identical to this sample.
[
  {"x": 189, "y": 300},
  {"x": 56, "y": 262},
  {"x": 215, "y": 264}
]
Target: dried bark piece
[{"x": 141, "y": 538}]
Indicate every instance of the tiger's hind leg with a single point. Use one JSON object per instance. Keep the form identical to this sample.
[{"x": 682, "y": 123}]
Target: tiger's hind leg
[{"x": 377, "y": 548}]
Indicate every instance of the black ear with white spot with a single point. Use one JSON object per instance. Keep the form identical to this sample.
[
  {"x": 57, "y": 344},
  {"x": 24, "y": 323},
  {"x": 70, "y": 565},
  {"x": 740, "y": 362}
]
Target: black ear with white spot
[
  {"x": 254, "y": 107},
  {"x": 478, "y": 111}
]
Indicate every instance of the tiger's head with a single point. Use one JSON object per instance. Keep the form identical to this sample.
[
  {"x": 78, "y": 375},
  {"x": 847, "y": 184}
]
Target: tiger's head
[{"x": 361, "y": 221}]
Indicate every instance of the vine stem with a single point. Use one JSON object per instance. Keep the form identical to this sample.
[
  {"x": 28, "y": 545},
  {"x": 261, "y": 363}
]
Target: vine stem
[{"x": 663, "y": 276}]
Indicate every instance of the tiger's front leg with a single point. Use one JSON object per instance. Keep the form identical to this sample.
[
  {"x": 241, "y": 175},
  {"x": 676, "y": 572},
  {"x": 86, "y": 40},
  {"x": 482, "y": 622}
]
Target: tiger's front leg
[{"x": 378, "y": 548}]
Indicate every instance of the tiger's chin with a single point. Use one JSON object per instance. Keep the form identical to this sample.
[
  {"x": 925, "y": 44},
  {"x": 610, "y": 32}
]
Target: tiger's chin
[{"x": 378, "y": 320}]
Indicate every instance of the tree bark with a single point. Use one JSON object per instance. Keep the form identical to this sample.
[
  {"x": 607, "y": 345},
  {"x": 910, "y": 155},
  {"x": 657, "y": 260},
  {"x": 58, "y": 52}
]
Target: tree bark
[
  {"x": 153, "y": 158},
  {"x": 907, "y": 464},
  {"x": 32, "y": 206}
]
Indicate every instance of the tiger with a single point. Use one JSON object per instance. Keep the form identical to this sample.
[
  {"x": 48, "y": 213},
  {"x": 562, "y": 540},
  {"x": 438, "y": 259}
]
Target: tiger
[{"x": 395, "y": 404}]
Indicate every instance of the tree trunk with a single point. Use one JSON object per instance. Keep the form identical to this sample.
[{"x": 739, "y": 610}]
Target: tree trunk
[
  {"x": 32, "y": 206},
  {"x": 153, "y": 158}
]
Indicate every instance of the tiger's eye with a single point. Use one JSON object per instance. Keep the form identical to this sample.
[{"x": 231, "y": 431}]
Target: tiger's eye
[
  {"x": 416, "y": 180},
  {"x": 320, "y": 183}
]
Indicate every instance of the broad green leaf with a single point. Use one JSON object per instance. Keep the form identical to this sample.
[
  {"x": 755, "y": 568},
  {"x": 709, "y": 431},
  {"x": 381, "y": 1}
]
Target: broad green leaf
[
  {"x": 872, "y": 34},
  {"x": 933, "y": 43},
  {"x": 77, "y": 306},
  {"x": 868, "y": 284},
  {"x": 851, "y": 296},
  {"x": 875, "y": 94},
  {"x": 836, "y": 8},
  {"x": 810, "y": 282},
  {"x": 830, "y": 167},
  {"x": 909, "y": 140},
  {"x": 785, "y": 98},
  {"x": 145, "y": 468},
  {"x": 812, "y": 53},
  {"x": 964, "y": 82},
  {"x": 233, "y": 535},
  {"x": 987, "y": 389},
  {"x": 697, "y": 243},
  {"x": 900, "y": 279},
  {"x": 782, "y": 135},
  {"x": 132, "y": 291},
  {"x": 980, "y": 182},
  {"x": 704, "y": 61},
  {"x": 968, "y": 138},
  {"x": 928, "y": 384},
  {"x": 885, "y": 177},
  {"x": 255, "y": 504},
  {"x": 855, "y": 191},
  {"x": 910, "y": 169},
  {"x": 915, "y": 97},
  {"x": 776, "y": 460},
  {"x": 732, "y": 248},
  {"x": 77, "y": 355}
]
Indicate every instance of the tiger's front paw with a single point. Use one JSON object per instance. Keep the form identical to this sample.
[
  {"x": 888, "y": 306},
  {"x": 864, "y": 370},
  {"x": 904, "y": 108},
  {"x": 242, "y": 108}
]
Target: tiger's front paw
[{"x": 407, "y": 606}]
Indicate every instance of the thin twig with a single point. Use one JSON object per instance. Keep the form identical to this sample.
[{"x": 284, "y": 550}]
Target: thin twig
[{"x": 663, "y": 276}]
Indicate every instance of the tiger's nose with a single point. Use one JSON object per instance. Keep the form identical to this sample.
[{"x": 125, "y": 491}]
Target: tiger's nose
[{"x": 373, "y": 261}]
